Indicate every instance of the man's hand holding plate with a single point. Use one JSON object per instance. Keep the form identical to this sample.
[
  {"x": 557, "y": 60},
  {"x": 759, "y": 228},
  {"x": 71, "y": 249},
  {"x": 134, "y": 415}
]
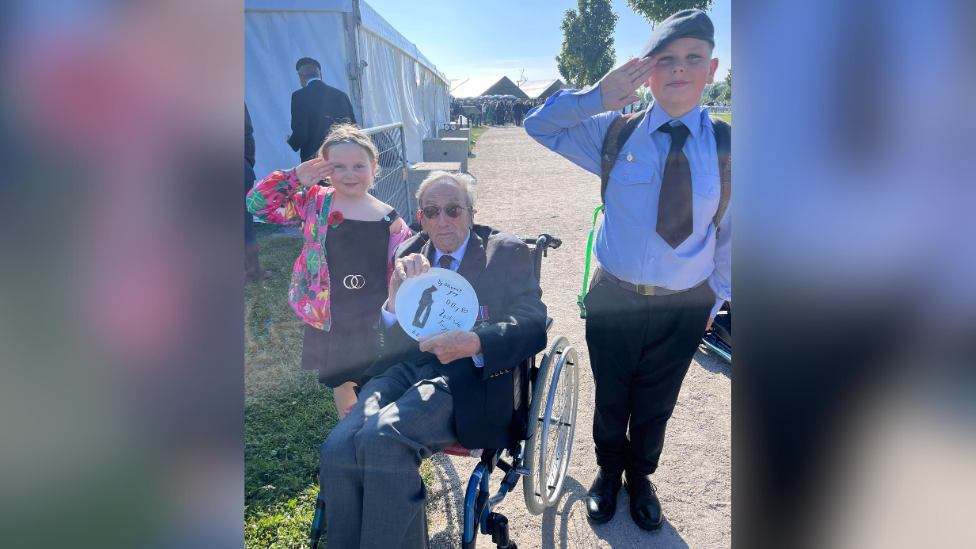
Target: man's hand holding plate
[
  {"x": 451, "y": 345},
  {"x": 406, "y": 267}
]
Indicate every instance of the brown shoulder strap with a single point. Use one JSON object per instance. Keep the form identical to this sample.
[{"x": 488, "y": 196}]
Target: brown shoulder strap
[
  {"x": 617, "y": 134},
  {"x": 723, "y": 146}
]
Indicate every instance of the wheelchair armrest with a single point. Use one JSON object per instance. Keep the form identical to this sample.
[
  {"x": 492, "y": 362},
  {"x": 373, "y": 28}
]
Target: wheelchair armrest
[{"x": 549, "y": 322}]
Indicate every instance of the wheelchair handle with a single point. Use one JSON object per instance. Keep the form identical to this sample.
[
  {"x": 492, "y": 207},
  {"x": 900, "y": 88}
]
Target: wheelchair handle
[
  {"x": 543, "y": 242},
  {"x": 549, "y": 240}
]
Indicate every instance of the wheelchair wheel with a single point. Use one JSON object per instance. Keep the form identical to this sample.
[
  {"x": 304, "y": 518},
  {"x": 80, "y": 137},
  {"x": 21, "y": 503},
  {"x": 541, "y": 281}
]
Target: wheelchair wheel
[{"x": 552, "y": 418}]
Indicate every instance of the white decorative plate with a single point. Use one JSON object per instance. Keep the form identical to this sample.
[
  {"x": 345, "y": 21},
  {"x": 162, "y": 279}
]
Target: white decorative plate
[{"x": 437, "y": 300}]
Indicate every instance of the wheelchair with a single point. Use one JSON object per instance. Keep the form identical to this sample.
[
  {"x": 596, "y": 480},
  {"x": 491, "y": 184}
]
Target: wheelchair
[
  {"x": 542, "y": 438},
  {"x": 719, "y": 338}
]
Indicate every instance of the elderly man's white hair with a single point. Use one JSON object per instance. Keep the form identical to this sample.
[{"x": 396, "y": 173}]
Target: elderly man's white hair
[{"x": 462, "y": 180}]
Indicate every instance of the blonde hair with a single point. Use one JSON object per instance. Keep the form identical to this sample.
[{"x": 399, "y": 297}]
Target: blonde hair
[{"x": 341, "y": 134}]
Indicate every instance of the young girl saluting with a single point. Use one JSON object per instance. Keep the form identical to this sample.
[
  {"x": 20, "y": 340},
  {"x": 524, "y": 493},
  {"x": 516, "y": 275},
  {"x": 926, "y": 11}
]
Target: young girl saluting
[{"x": 341, "y": 277}]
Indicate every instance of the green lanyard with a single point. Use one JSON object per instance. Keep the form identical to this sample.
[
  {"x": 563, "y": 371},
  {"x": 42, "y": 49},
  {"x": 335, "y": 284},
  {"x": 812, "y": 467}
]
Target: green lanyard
[{"x": 586, "y": 270}]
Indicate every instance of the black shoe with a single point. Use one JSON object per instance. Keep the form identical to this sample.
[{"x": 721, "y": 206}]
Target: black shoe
[
  {"x": 645, "y": 508},
  {"x": 601, "y": 500}
]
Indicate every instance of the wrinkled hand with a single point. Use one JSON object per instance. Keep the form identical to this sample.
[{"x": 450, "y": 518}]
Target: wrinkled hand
[
  {"x": 709, "y": 325},
  {"x": 451, "y": 345},
  {"x": 618, "y": 86},
  {"x": 406, "y": 267},
  {"x": 315, "y": 170}
]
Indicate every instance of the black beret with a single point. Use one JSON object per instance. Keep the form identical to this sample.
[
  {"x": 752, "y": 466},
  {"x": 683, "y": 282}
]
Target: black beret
[
  {"x": 684, "y": 24},
  {"x": 307, "y": 61}
]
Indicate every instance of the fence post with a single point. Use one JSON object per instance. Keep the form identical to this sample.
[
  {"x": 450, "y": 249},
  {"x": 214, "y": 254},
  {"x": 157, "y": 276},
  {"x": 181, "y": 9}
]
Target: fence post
[
  {"x": 403, "y": 173},
  {"x": 354, "y": 68}
]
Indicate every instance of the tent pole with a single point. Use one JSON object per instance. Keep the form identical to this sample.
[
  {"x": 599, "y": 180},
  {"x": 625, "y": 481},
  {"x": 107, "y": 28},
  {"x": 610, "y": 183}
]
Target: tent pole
[{"x": 354, "y": 67}]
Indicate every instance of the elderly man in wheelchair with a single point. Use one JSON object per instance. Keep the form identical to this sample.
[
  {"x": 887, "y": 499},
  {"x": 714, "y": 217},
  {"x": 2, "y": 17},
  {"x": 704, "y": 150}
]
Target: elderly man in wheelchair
[{"x": 453, "y": 389}]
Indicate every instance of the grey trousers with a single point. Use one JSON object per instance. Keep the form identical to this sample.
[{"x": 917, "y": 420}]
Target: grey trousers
[{"x": 370, "y": 472}]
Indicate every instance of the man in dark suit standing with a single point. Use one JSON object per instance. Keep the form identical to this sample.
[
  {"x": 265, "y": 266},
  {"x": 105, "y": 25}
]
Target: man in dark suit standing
[
  {"x": 314, "y": 109},
  {"x": 455, "y": 386},
  {"x": 519, "y": 110}
]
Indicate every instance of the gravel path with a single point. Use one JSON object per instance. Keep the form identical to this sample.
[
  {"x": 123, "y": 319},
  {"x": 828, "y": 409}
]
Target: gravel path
[{"x": 527, "y": 190}]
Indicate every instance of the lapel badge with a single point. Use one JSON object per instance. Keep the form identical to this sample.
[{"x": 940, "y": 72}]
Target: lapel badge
[{"x": 630, "y": 157}]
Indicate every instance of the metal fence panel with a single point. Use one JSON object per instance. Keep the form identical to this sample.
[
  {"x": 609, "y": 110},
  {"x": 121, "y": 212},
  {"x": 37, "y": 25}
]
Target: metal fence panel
[{"x": 391, "y": 185}]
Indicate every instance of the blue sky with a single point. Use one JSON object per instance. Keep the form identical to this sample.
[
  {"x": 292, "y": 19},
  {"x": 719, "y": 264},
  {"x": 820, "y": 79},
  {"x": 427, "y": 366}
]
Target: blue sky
[{"x": 467, "y": 38}]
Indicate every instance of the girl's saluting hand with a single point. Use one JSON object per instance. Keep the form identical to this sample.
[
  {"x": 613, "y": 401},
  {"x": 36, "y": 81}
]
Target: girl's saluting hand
[{"x": 315, "y": 170}]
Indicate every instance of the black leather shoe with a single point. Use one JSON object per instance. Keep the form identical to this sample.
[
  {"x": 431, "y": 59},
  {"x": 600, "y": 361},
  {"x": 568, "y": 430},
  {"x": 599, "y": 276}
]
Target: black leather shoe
[
  {"x": 645, "y": 508},
  {"x": 601, "y": 500}
]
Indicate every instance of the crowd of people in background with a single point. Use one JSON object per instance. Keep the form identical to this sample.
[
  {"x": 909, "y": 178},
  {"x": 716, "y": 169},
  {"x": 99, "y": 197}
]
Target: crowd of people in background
[
  {"x": 492, "y": 112},
  {"x": 500, "y": 112}
]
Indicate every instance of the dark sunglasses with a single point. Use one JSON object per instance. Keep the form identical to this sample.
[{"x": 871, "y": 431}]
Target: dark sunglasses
[{"x": 452, "y": 210}]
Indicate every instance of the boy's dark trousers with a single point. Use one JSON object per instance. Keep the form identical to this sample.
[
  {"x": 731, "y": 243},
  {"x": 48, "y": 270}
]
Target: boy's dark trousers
[{"x": 640, "y": 349}]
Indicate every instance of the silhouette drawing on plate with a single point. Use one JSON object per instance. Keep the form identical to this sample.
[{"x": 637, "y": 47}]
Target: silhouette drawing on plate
[{"x": 426, "y": 301}]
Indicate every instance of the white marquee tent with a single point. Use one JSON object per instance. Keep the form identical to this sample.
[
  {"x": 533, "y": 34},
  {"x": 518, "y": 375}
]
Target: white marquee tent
[
  {"x": 542, "y": 89},
  {"x": 387, "y": 79},
  {"x": 466, "y": 88}
]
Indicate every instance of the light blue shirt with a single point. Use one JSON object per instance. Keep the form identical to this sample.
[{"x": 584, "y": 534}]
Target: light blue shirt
[
  {"x": 309, "y": 81},
  {"x": 389, "y": 319},
  {"x": 573, "y": 124}
]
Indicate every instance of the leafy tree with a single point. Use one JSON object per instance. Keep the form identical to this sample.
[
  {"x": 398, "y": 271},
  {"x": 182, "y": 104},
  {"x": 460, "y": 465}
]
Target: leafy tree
[
  {"x": 656, "y": 11},
  {"x": 728, "y": 91},
  {"x": 587, "y": 52},
  {"x": 714, "y": 92},
  {"x": 644, "y": 92}
]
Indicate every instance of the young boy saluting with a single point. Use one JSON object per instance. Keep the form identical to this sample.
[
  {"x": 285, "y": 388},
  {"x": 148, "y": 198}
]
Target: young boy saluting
[{"x": 665, "y": 268}]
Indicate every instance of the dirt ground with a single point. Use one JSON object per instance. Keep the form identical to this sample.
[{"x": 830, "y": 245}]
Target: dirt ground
[{"x": 527, "y": 190}]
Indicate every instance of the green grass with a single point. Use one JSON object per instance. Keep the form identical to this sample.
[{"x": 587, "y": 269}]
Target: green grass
[
  {"x": 476, "y": 133},
  {"x": 281, "y": 461},
  {"x": 287, "y": 413},
  {"x": 726, "y": 117}
]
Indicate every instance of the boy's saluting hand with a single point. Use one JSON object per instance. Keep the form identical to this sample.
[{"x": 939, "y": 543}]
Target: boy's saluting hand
[{"x": 618, "y": 86}]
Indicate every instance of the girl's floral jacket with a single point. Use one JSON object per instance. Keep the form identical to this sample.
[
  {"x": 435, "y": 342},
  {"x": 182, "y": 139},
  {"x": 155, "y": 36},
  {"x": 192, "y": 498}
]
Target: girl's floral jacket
[{"x": 281, "y": 199}]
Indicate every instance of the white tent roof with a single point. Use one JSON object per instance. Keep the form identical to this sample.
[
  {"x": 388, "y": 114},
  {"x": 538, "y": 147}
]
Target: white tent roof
[
  {"x": 371, "y": 21},
  {"x": 536, "y": 88},
  {"x": 374, "y": 23},
  {"x": 398, "y": 84},
  {"x": 298, "y": 5},
  {"x": 484, "y": 85}
]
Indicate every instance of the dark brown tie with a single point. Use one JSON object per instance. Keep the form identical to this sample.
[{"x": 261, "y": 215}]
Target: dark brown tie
[
  {"x": 675, "y": 218},
  {"x": 445, "y": 262}
]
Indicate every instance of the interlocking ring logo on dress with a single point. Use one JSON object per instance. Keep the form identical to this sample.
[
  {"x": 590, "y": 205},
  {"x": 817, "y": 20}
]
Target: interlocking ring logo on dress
[{"x": 354, "y": 282}]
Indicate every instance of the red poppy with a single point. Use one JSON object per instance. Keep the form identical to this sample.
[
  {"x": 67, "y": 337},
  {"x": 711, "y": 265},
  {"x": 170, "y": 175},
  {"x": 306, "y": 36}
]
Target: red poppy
[{"x": 334, "y": 218}]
